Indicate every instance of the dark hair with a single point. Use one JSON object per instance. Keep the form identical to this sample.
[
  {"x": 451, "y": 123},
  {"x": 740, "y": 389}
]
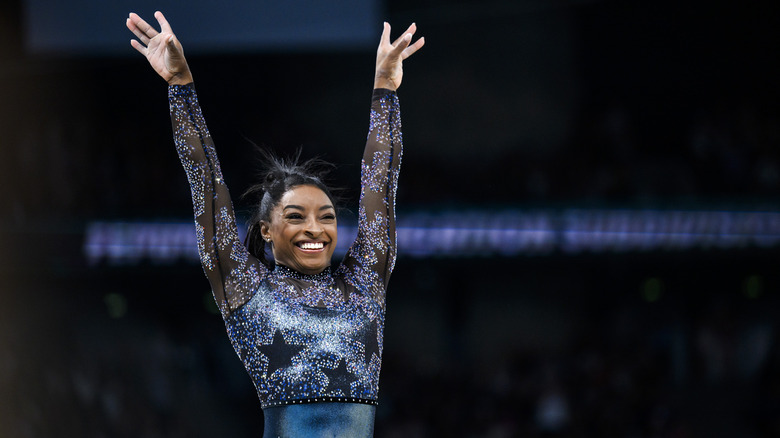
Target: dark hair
[{"x": 279, "y": 176}]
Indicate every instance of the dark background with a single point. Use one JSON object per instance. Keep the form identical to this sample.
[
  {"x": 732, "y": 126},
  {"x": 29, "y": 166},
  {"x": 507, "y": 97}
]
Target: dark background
[{"x": 524, "y": 104}]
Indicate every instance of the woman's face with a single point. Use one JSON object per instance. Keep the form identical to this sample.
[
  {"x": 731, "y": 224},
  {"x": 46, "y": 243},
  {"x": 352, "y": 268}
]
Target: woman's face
[{"x": 302, "y": 230}]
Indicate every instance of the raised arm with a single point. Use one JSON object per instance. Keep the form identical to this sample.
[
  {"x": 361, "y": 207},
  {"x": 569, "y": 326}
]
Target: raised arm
[
  {"x": 233, "y": 273},
  {"x": 373, "y": 253}
]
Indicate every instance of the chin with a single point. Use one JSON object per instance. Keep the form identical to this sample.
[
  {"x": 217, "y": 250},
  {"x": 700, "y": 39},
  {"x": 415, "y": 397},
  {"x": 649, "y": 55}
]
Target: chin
[{"x": 313, "y": 268}]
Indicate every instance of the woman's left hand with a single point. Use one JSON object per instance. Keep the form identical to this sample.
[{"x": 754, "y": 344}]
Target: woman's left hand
[
  {"x": 390, "y": 57},
  {"x": 162, "y": 49}
]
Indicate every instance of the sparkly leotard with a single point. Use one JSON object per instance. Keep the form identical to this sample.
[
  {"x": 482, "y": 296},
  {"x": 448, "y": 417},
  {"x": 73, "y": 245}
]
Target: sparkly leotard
[{"x": 312, "y": 344}]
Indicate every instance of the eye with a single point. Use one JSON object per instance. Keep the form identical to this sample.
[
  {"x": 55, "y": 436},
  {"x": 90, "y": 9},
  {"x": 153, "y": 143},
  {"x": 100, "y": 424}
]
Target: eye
[
  {"x": 294, "y": 216},
  {"x": 329, "y": 217}
]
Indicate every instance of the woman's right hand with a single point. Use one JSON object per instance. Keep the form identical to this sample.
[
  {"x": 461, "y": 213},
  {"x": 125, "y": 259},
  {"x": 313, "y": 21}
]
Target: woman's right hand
[{"x": 162, "y": 49}]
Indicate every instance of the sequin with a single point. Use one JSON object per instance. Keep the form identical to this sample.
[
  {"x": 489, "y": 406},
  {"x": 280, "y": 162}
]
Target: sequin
[
  {"x": 374, "y": 174},
  {"x": 205, "y": 257},
  {"x": 227, "y": 232},
  {"x": 302, "y": 338}
]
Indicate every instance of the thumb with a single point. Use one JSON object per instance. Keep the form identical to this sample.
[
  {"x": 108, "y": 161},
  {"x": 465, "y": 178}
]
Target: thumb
[{"x": 172, "y": 46}]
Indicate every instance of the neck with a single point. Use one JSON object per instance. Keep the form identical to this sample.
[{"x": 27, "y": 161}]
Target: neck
[{"x": 290, "y": 272}]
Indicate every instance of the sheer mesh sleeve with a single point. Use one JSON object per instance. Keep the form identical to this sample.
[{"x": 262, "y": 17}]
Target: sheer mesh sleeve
[
  {"x": 233, "y": 273},
  {"x": 372, "y": 257}
]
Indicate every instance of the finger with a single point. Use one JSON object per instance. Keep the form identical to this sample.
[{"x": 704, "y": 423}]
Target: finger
[
  {"x": 385, "y": 38},
  {"x": 130, "y": 25},
  {"x": 138, "y": 46},
  {"x": 163, "y": 22},
  {"x": 401, "y": 45},
  {"x": 409, "y": 51},
  {"x": 143, "y": 26},
  {"x": 411, "y": 30}
]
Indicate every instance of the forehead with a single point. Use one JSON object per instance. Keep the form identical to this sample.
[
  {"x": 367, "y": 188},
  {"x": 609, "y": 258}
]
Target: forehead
[{"x": 307, "y": 196}]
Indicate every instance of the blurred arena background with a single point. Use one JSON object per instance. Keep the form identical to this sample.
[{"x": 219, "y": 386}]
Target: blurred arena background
[{"x": 589, "y": 213}]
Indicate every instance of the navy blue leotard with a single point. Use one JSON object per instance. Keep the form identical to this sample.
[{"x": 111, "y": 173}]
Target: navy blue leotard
[{"x": 312, "y": 344}]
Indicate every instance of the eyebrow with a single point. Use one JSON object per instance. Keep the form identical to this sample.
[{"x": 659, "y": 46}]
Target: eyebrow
[{"x": 298, "y": 207}]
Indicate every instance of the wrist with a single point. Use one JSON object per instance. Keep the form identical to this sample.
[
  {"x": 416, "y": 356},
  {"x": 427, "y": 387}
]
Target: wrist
[
  {"x": 385, "y": 83},
  {"x": 181, "y": 79}
]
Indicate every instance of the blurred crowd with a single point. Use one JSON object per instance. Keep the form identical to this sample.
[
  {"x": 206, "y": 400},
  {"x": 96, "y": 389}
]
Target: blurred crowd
[{"x": 668, "y": 381}]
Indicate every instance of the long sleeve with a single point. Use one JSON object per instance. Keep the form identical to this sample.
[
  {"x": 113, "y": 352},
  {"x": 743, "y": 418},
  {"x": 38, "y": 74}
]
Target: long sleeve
[
  {"x": 372, "y": 257},
  {"x": 233, "y": 273}
]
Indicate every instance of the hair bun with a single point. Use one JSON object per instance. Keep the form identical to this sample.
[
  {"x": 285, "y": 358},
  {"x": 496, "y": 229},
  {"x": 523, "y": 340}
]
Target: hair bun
[{"x": 272, "y": 178}]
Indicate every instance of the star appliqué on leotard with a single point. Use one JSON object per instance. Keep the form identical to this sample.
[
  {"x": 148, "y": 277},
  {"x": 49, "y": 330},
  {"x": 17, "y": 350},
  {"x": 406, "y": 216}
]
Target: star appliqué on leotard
[
  {"x": 279, "y": 352},
  {"x": 339, "y": 377}
]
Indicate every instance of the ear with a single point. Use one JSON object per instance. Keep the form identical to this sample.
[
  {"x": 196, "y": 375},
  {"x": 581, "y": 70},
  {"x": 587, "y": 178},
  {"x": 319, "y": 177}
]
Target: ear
[{"x": 265, "y": 231}]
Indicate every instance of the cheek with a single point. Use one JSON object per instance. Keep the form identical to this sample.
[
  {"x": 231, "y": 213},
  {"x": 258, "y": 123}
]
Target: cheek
[
  {"x": 280, "y": 231},
  {"x": 288, "y": 231},
  {"x": 333, "y": 231}
]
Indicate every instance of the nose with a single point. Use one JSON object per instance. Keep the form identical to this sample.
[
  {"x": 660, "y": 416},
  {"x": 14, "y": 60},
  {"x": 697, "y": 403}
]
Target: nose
[{"x": 313, "y": 227}]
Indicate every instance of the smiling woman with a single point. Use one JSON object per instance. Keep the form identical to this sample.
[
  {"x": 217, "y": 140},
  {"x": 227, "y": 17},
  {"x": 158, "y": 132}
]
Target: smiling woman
[
  {"x": 302, "y": 229},
  {"x": 293, "y": 199},
  {"x": 310, "y": 338}
]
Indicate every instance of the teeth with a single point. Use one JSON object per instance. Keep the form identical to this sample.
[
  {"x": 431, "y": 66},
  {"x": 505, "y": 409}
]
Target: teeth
[{"x": 312, "y": 245}]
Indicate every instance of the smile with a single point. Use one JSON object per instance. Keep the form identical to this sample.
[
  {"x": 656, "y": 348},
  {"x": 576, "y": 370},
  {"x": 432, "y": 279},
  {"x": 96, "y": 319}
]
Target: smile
[{"x": 311, "y": 246}]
